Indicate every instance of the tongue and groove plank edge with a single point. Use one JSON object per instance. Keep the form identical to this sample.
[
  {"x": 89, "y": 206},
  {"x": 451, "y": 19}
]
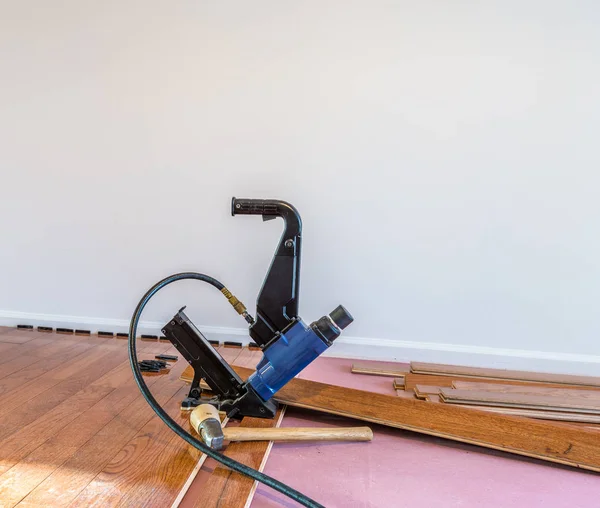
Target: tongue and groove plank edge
[
  {"x": 411, "y": 380},
  {"x": 390, "y": 369},
  {"x": 571, "y": 446},
  {"x": 520, "y": 400},
  {"x": 554, "y": 391},
  {"x": 439, "y": 369}
]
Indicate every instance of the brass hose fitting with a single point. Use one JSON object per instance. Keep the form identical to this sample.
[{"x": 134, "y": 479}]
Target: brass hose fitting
[{"x": 239, "y": 307}]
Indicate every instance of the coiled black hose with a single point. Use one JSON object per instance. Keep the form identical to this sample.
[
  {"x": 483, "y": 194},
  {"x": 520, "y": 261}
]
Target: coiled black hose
[{"x": 172, "y": 424}]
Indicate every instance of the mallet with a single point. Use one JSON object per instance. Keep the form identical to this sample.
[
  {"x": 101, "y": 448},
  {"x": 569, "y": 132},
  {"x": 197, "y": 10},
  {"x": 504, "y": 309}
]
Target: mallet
[{"x": 206, "y": 422}]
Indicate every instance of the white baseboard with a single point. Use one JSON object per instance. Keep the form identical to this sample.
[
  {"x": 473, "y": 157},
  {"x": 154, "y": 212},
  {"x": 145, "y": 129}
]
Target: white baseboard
[{"x": 352, "y": 347}]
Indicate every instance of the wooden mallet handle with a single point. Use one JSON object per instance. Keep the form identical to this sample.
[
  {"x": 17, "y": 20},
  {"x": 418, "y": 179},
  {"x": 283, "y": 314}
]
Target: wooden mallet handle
[{"x": 298, "y": 434}]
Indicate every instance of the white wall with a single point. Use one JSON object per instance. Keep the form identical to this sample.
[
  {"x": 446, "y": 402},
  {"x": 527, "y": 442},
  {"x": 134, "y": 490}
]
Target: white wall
[{"x": 443, "y": 155}]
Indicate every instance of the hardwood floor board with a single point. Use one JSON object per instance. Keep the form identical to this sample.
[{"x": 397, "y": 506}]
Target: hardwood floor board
[
  {"x": 171, "y": 459},
  {"x": 16, "y": 365},
  {"x": 29, "y": 437},
  {"x": 20, "y": 416},
  {"x": 503, "y": 374},
  {"x": 38, "y": 367},
  {"x": 411, "y": 380},
  {"x": 7, "y": 346},
  {"x": 69, "y": 405},
  {"x": 67, "y": 481},
  {"x": 520, "y": 400},
  {"x": 422, "y": 390},
  {"x": 18, "y": 337},
  {"x": 38, "y": 348},
  {"x": 248, "y": 358},
  {"x": 389, "y": 369},
  {"x": 568, "y": 445},
  {"x": 555, "y": 416},
  {"x": 19, "y": 396},
  {"x": 47, "y": 381},
  {"x": 572, "y": 393},
  {"x": 230, "y": 354},
  {"x": 406, "y": 395},
  {"x": 35, "y": 467}
]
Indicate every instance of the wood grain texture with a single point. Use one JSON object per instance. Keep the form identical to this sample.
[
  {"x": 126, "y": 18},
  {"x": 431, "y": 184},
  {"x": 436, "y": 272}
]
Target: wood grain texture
[
  {"x": 37, "y": 464},
  {"x": 18, "y": 337},
  {"x": 411, "y": 380},
  {"x": 537, "y": 414},
  {"x": 519, "y": 400},
  {"x": 553, "y": 391},
  {"x": 431, "y": 395},
  {"x": 547, "y": 441},
  {"x": 422, "y": 390},
  {"x": 298, "y": 434},
  {"x": 478, "y": 372},
  {"x": 50, "y": 401},
  {"x": 68, "y": 407},
  {"x": 78, "y": 473},
  {"x": 37, "y": 367},
  {"x": 155, "y": 459},
  {"x": 225, "y": 488},
  {"x": 389, "y": 369},
  {"x": 400, "y": 392}
]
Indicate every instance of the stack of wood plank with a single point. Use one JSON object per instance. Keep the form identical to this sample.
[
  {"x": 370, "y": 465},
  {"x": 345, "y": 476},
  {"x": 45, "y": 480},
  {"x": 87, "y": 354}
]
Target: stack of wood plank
[{"x": 541, "y": 396}]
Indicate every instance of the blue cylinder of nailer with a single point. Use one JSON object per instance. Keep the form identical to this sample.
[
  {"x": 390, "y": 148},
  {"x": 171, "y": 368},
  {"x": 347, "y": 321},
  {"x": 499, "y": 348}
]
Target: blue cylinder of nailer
[{"x": 295, "y": 348}]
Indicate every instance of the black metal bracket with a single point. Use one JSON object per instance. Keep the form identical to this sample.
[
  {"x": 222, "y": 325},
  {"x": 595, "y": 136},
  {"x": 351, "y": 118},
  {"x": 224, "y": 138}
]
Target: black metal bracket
[
  {"x": 277, "y": 302},
  {"x": 229, "y": 392}
]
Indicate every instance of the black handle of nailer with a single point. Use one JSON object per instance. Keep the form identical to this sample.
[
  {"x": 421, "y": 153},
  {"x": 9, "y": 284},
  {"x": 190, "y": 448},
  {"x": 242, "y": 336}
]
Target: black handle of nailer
[
  {"x": 254, "y": 207},
  {"x": 277, "y": 303}
]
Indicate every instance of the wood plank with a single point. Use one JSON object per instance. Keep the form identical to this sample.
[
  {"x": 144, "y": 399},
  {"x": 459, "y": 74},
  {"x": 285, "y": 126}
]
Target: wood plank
[
  {"x": 21, "y": 416},
  {"x": 38, "y": 348},
  {"x": 31, "y": 435},
  {"x": 423, "y": 391},
  {"x": 547, "y": 441},
  {"x": 390, "y": 369},
  {"x": 74, "y": 475},
  {"x": 38, "y": 367},
  {"x": 519, "y": 400},
  {"x": 405, "y": 394},
  {"x": 18, "y": 337},
  {"x": 6, "y": 346},
  {"x": 557, "y": 418},
  {"x": 399, "y": 383},
  {"x": 516, "y": 375},
  {"x": 554, "y": 391},
  {"x": 20, "y": 395},
  {"x": 127, "y": 479},
  {"x": 538, "y": 415},
  {"x": 412, "y": 380},
  {"x": 36, "y": 465},
  {"x": 226, "y": 488}
]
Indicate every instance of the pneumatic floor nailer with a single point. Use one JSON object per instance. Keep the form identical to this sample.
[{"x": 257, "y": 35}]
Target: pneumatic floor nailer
[{"x": 288, "y": 344}]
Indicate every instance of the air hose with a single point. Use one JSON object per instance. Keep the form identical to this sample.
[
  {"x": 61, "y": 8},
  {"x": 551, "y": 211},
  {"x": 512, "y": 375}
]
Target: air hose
[{"x": 172, "y": 424}]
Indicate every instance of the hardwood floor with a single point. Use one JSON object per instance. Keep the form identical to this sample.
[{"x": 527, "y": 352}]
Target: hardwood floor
[{"x": 75, "y": 430}]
